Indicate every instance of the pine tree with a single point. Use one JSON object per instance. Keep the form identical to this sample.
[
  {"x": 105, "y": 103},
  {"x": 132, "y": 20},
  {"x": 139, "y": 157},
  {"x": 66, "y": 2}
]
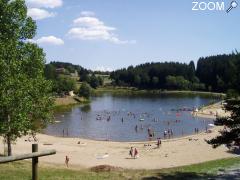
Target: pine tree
[{"x": 230, "y": 135}]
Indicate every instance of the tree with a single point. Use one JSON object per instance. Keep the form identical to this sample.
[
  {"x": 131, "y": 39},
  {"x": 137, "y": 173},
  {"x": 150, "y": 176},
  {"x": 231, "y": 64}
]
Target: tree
[
  {"x": 50, "y": 72},
  {"x": 155, "y": 81},
  {"x": 231, "y": 134},
  {"x": 85, "y": 78},
  {"x": 100, "y": 80},
  {"x": 84, "y": 90},
  {"x": 25, "y": 99},
  {"x": 64, "y": 84},
  {"x": 94, "y": 82},
  {"x": 137, "y": 80}
]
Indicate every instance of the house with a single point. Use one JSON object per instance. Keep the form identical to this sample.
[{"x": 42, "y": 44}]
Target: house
[{"x": 60, "y": 70}]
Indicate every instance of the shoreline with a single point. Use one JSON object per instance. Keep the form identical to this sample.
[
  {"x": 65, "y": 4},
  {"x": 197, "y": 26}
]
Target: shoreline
[
  {"x": 212, "y": 111},
  {"x": 174, "y": 152},
  {"x": 135, "y": 91}
]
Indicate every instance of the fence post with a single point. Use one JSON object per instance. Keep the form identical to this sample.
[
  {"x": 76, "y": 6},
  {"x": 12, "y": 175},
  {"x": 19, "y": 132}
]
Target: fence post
[{"x": 34, "y": 163}]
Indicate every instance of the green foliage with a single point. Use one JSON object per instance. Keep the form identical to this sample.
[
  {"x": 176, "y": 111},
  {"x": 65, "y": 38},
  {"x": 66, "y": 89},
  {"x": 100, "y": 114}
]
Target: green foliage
[
  {"x": 85, "y": 77},
  {"x": 85, "y": 90},
  {"x": 64, "y": 85},
  {"x": 231, "y": 134},
  {"x": 232, "y": 93},
  {"x": 153, "y": 75},
  {"x": 50, "y": 72},
  {"x": 95, "y": 81},
  {"x": 177, "y": 82},
  {"x": 69, "y": 67},
  {"x": 220, "y": 72},
  {"x": 25, "y": 99},
  {"x": 214, "y": 73}
]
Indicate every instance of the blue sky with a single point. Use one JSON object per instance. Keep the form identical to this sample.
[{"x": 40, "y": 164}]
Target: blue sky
[{"x": 111, "y": 34}]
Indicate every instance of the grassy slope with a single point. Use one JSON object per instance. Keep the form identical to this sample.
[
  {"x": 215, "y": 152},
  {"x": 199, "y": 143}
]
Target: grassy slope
[{"x": 22, "y": 170}]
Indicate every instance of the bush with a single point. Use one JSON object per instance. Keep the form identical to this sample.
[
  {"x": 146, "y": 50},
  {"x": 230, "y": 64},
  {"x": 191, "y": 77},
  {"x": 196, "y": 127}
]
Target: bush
[{"x": 84, "y": 90}]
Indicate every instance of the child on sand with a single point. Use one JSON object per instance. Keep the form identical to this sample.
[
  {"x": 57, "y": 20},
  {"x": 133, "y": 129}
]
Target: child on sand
[
  {"x": 159, "y": 142},
  {"x": 135, "y": 153},
  {"x": 131, "y": 152},
  {"x": 66, "y": 160}
]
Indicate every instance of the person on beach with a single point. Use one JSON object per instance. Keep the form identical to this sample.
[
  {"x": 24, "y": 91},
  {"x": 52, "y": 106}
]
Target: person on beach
[
  {"x": 131, "y": 152},
  {"x": 66, "y": 160},
  {"x": 159, "y": 142},
  {"x": 135, "y": 153}
]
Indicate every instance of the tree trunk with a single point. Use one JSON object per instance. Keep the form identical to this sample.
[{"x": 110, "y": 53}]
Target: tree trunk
[
  {"x": 9, "y": 138},
  {"x": 9, "y": 145}
]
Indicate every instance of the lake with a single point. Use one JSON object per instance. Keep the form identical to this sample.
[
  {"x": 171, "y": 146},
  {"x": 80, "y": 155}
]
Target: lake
[{"x": 130, "y": 118}]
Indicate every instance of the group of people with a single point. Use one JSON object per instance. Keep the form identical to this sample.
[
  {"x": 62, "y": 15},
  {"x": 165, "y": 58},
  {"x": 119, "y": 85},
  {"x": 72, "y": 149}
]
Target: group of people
[
  {"x": 168, "y": 133},
  {"x": 65, "y": 132},
  {"x": 133, "y": 152},
  {"x": 196, "y": 130}
]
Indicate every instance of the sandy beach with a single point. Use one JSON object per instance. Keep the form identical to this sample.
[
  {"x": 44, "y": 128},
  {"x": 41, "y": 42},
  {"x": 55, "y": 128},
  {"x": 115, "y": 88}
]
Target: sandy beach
[
  {"x": 173, "y": 152},
  {"x": 212, "y": 111}
]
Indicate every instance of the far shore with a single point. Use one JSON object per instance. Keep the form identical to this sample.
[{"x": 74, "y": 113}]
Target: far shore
[{"x": 132, "y": 90}]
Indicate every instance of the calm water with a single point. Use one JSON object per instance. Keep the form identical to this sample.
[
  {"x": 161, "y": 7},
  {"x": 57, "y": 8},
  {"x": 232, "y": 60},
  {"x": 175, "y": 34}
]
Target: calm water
[{"x": 116, "y": 117}]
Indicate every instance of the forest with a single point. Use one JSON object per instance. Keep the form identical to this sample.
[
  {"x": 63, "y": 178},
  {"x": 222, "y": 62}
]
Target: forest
[{"x": 220, "y": 73}]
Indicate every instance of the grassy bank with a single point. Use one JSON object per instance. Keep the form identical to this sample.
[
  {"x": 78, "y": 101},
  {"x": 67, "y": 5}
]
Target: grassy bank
[
  {"x": 22, "y": 170},
  {"x": 135, "y": 91},
  {"x": 68, "y": 102}
]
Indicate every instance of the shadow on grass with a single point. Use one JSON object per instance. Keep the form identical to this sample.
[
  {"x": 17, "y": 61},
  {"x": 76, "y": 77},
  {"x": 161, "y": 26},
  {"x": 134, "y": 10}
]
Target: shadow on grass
[
  {"x": 229, "y": 175},
  {"x": 179, "y": 175}
]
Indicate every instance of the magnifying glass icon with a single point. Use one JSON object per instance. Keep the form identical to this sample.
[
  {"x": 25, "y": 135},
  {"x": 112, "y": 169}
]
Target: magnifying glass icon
[{"x": 233, "y": 4}]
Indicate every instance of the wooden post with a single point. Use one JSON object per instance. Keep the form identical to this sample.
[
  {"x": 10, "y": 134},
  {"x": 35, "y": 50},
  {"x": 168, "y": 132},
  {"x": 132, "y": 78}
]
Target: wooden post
[{"x": 34, "y": 163}]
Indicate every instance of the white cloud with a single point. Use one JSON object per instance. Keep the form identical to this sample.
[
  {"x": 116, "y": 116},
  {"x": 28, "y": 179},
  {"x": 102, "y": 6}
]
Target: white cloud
[
  {"x": 91, "y": 28},
  {"x": 44, "y": 3},
  {"x": 52, "y": 40},
  {"x": 102, "y": 68},
  {"x": 38, "y": 14},
  {"x": 87, "y": 13}
]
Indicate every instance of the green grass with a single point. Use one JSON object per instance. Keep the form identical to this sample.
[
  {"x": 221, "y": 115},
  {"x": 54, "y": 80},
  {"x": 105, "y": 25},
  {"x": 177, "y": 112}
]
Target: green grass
[
  {"x": 22, "y": 170},
  {"x": 135, "y": 91}
]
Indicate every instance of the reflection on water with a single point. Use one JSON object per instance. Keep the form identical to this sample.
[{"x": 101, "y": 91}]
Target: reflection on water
[{"x": 129, "y": 118}]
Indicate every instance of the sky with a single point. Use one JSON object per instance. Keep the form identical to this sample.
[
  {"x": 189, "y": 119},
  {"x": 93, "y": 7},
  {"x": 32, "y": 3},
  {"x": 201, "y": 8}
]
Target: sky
[{"x": 113, "y": 34}]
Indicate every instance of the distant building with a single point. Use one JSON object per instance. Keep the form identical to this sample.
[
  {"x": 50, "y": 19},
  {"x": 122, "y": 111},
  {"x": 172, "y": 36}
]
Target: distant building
[{"x": 60, "y": 70}]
